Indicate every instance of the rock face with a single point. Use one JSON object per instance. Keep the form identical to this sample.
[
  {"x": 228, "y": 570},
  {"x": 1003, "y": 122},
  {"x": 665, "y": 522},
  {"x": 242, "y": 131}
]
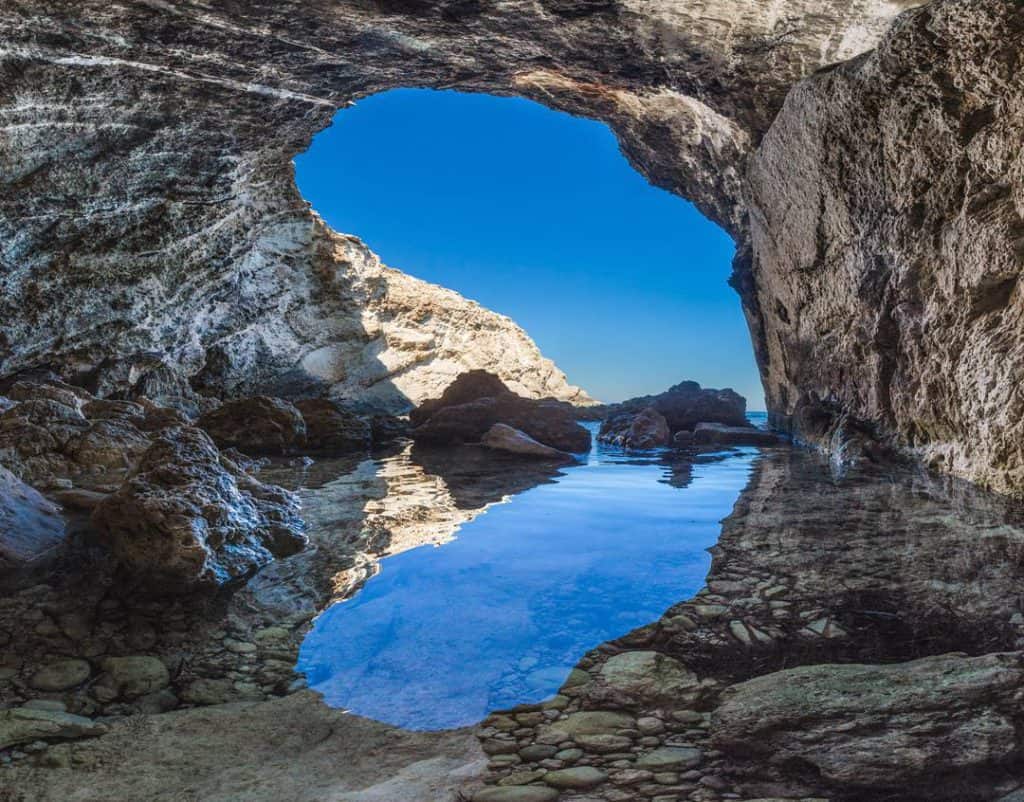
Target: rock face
[
  {"x": 259, "y": 425},
  {"x": 879, "y": 726},
  {"x": 189, "y": 518},
  {"x": 463, "y": 414},
  {"x": 887, "y": 234}
]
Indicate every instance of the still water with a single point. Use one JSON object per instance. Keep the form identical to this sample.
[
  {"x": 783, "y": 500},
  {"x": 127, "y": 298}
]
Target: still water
[{"x": 499, "y": 616}]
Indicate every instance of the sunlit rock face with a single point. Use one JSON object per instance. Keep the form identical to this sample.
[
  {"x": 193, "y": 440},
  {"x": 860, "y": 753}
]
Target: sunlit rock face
[{"x": 151, "y": 208}]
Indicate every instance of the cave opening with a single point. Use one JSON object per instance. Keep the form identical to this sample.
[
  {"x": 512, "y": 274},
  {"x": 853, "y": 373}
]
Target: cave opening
[{"x": 537, "y": 215}]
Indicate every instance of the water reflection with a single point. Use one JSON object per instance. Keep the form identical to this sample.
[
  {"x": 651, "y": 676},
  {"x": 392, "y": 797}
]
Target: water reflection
[{"x": 500, "y": 615}]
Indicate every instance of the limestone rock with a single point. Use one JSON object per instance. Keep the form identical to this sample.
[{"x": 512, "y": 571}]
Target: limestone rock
[
  {"x": 512, "y": 441},
  {"x": 184, "y": 520},
  {"x": 257, "y": 425},
  {"x": 21, "y": 725},
  {"x": 717, "y": 434},
  {"x": 879, "y": 726}
]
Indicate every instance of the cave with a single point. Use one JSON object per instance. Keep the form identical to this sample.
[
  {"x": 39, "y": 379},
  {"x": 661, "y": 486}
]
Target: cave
[{"x": 178, "y": 322}]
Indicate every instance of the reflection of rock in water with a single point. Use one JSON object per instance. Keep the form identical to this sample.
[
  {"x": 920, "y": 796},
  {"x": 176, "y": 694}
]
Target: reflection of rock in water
[
  {"x": 862, "y": 579},
  {"x": 240, "y": 644}
]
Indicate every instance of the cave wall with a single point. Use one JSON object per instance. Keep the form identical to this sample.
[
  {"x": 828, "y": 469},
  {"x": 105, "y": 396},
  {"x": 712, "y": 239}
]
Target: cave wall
[
  {"x": 887, "y": 230},
  {"x": 149, "y": 209}
]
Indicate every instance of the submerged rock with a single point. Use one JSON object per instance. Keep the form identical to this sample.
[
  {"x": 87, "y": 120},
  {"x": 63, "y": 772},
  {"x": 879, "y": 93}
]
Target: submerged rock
[
  {"x": 31, "y": 527},
  {"x": 879, "y": 726},
  {"x": 186, "y": 518},
  {"x": 504, "y": 438},
  {"x": 721, "y": 435},
  {"x": 257, "y": 425}
]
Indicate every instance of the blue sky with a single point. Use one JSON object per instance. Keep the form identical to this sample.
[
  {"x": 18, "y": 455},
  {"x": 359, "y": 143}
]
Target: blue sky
[{"x": 537, "y": 215}]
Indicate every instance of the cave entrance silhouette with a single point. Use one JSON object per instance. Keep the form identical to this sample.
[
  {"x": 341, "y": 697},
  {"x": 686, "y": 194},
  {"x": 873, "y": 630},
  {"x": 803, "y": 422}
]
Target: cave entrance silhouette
[{"x": 536, "y": 214}]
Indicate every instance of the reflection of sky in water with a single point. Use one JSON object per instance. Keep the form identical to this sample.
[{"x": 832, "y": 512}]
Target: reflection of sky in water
[{"x": 499, "y": 616}]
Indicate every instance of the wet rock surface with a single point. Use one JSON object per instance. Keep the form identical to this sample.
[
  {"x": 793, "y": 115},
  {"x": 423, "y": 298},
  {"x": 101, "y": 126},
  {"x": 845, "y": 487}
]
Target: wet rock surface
[
  {"x": 504, "y": 438},
  {"x": 187, "y": 517}
]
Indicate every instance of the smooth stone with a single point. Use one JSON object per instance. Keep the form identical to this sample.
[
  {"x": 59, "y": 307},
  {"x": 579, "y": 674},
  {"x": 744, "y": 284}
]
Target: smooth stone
[
  {"x": 25, "y": 725},
  {"x": 593, "y": 722},
  {"x": 576, "y": 777},
  {"x": 516, "y": 793},
  {"x": 671, "y": 757},
  {"x": 604, "y": 744},
  {"x": 135, "y": 676},
  {"x": 537, "y": 752},
  {"x": 61, "y": 675},
  {"x": 648, "y": 678}
]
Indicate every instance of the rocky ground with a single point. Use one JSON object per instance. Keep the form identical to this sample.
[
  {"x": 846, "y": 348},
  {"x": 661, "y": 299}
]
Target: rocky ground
[{"x": 882, "y": 665}]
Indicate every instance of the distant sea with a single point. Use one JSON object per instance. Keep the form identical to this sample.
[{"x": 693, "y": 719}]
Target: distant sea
[{"x": 759, "y": 419}]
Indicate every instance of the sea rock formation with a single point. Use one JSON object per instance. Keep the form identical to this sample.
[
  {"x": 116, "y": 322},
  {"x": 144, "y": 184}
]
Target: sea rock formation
[
  {"x": 887, "y": 239},
  {"x": 512, "y": 441},
  {"x": 475, "y": 402},
  {"x": 641, "y": 430},
  {"x": 189, "y": 518},
  {"x": 655, "y": 420},
  {"x": 257, "y": 425}
]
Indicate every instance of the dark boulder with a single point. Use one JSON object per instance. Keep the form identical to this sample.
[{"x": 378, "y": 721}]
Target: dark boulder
[
  {"x": 471, "y": 386},
  {"x": 31, "y": 527},
  {"x": 332, "y": 429},
  {"x": 644, "y": 430},
  {"x": 187, "y": 518},
  {"x": 687, "y": 404},
  {"x": 549, "y": 422},
  {"x": 256, "y": 425}
]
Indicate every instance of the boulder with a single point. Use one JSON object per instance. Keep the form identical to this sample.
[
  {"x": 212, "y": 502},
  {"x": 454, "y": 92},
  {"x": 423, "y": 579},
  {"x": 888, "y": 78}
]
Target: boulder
[
  {"x": 682, "y": 439},
  {"x": 61, "y": 675},
  {"x": 504, "y": 438},
  {"x": 185, "y": 518},
  {"x": 549, "y": 422},
  {"x": 641, "y": 431},
  {"x": 256, "y": 425},
  {"x": 131, "y": 677},
  {"x": 469, "y": 386},
  {"x": 644, "y": 679},
  {"x": 879, "y": 726},
  {"x": 31, "y": 527},
  {"x": 717, "y": 434},
  {"x": 687, "y": 404},
  {"x": 22, "y": 725},
  {"x": 110, "y": 444},
  {"x": 332, "y": 429}
]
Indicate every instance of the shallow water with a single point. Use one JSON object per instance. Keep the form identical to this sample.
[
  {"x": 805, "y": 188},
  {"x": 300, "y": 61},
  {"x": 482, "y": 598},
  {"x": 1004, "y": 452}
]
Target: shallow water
[{"x": 499, "y": 616}]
